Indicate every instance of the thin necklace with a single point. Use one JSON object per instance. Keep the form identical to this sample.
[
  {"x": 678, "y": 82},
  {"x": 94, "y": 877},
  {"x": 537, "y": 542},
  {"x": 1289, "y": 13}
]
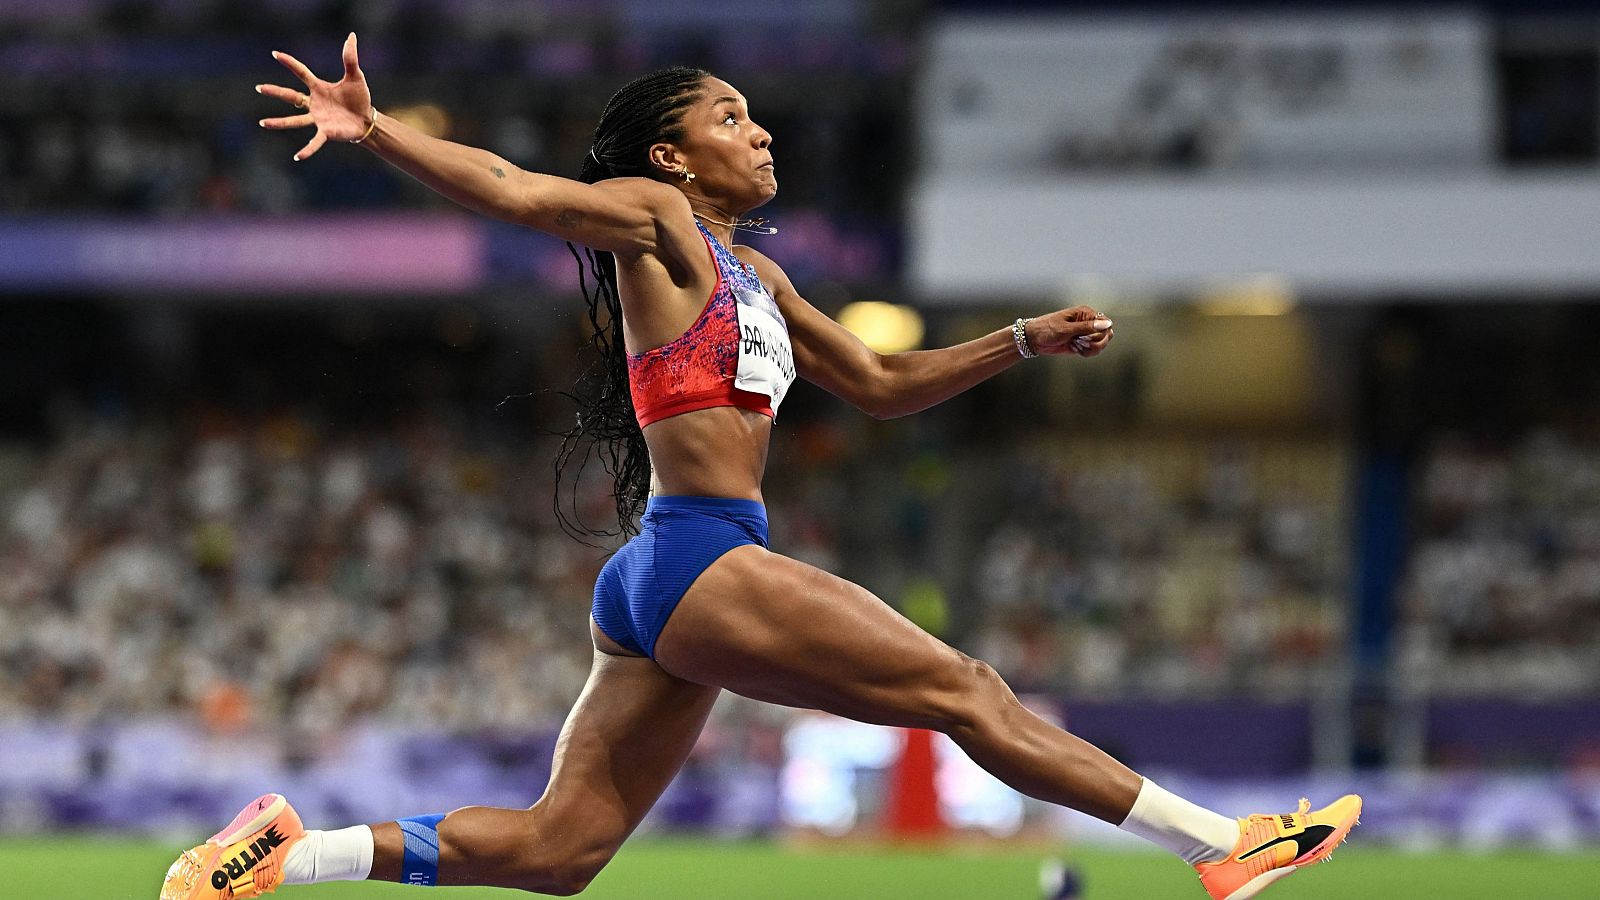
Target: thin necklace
[{"x": 754, "y": 226}]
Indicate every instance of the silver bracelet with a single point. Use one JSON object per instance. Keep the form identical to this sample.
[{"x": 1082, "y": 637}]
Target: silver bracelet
[{"x": 1019, "y": 333}]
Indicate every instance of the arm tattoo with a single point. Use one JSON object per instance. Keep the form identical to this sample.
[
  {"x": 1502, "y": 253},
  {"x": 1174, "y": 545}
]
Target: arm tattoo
[
  {"x": 498, "y": 172},
  {"x": 569, "y": 218}
]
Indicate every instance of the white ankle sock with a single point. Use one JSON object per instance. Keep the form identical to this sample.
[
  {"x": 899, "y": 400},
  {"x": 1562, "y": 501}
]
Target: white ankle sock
[
  {"x": 1193, "y": 832},
  {"x": 343, "y": 855}
]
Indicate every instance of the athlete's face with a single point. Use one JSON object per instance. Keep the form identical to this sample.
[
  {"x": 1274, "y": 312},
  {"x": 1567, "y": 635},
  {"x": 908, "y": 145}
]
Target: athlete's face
[{"x": 729, "y": 154}]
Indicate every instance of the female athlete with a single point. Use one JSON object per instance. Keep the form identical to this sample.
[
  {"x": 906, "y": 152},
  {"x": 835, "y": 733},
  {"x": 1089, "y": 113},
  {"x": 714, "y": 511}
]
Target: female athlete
[{"x": 697, "y": 603}]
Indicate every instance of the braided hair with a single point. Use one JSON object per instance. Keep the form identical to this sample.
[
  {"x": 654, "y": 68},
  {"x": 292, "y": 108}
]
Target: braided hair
[{"x": 646, "y": 111}]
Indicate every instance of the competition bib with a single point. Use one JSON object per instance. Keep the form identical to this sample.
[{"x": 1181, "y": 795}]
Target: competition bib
[{"x": 766, "y": 361}]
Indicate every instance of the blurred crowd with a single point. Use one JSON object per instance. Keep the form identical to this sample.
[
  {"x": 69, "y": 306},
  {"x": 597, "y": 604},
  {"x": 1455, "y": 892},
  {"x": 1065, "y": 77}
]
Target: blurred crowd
[
  {"x": 268, "y": 573},
  {"x": 1170, "y": 568},
  {"x": 146, "y": 107},
  {"x": 1503, "y": 589},
  {"x": 284, "y": 570},
  {"x": 287, "y": 570}
]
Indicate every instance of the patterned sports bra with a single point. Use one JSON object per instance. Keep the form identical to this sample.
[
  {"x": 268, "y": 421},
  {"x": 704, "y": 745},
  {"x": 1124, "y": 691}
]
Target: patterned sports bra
[{"x": 737, "y": 353}]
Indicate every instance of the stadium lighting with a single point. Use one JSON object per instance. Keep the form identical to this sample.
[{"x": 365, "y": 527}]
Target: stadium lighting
[
  {"x": 1261, "y": 295},
  {"x": 885, "y": 327}
]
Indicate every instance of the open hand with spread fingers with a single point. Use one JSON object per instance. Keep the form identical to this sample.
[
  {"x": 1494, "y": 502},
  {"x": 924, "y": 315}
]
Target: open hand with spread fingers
[{"x": 340, "y": 110}]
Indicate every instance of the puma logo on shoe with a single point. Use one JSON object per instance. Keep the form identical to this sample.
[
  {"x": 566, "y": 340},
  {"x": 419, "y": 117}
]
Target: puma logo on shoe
[
  {"x": 1251, "y": 869},
  {"x": 1305, "y": 842}
]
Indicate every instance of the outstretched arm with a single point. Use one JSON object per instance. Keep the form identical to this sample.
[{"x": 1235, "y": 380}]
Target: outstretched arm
[
  {"x": 896, "y": 384},
  {"x": 620, "y": 214}
]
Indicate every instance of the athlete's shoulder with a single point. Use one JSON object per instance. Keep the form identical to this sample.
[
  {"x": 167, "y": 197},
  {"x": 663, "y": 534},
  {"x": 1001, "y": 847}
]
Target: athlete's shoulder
[
  {"x": 670, "y": 235},
  {"x": 767, "y": 270},
  {"x": 751, "y": 255}
]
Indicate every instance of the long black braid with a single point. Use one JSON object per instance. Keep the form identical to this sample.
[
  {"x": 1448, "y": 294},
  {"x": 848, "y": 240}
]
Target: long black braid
[{"x": 647, "y": 111}]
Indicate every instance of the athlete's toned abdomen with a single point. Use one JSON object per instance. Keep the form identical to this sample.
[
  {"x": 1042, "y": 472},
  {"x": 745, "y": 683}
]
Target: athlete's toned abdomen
[{"x": 716, "y": 452}]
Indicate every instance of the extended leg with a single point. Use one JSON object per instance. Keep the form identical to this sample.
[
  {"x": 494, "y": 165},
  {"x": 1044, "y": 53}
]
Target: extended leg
[{"x": 779, "y": 630}]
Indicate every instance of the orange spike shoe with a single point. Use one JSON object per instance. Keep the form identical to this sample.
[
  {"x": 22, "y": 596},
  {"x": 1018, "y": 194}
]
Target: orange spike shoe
[
  {"x": 1274, "y": 846},
  {"x": 242, "y": 860}
]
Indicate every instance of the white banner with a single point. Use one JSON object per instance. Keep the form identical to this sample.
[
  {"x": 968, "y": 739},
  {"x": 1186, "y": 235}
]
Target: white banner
[
  {"x": 1349, "y": 238},
  {"x": 1003, "y": 97}
]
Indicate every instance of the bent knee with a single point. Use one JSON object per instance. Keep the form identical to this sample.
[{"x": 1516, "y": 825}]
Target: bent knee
[
  {"x": 973, "y": 697},
  {"x": 563, "y": 874},
  {"x": 582, "y": 869}
]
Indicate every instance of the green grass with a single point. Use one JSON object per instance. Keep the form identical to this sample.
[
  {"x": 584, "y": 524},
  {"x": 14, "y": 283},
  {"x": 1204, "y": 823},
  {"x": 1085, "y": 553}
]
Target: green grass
[{"x": 111, "y": 869}]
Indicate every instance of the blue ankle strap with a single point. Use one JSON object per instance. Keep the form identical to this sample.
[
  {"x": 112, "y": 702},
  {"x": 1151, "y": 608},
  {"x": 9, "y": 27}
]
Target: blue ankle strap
[{"x": 419, "y": 863}]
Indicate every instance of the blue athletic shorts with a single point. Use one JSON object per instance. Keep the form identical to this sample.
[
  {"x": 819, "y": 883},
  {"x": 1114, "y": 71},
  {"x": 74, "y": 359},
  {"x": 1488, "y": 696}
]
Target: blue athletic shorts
[{"x": 679, "y": 537}]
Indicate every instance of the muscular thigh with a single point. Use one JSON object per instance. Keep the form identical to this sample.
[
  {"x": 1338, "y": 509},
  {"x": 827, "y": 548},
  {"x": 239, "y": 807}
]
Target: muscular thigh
[
  {"x": 625, "y": 739},
  {"x": 779, "y": 630}
]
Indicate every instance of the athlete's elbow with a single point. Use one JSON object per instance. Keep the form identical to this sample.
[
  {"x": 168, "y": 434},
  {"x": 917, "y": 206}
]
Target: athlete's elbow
[
  {"x": 893, "y": 411},
  {"x": 885, "y": 408},
  {"x": 877, "y": 396},
  {"x": 893, "y": 406}
]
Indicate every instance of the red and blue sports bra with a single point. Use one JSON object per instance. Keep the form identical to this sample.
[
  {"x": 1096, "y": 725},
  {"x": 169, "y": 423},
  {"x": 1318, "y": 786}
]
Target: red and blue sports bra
[{"x": 737, "y": 353}]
